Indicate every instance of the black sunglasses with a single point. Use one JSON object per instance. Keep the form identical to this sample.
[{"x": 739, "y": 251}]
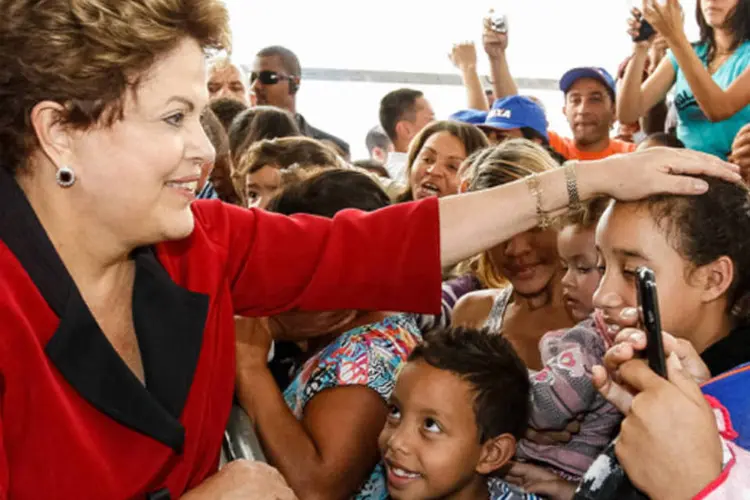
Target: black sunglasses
[{"x": 268, "y": 77}]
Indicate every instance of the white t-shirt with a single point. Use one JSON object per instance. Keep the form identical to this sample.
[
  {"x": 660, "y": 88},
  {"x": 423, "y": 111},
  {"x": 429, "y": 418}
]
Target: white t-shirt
[{"x": 396, "y": 167}]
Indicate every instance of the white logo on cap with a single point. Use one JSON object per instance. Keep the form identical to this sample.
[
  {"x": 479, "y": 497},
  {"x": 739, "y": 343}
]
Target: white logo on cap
[{"x": 501, "y": 113}]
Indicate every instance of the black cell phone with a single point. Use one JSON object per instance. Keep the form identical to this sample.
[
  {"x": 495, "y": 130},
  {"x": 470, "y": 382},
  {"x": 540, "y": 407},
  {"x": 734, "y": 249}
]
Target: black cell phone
[
  {"x": 646, "y": 31},
  {"x": 648, "y": 307}
]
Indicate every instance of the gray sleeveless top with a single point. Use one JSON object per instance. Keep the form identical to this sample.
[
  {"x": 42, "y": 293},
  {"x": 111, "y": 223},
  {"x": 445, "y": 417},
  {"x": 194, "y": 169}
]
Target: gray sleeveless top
[{"x": 495, "y": 319}]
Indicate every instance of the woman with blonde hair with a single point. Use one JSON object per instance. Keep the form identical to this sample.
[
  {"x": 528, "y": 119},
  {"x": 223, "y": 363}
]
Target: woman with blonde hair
[
  {"x": 528, "y": 262},
  {"x": 118, "y": 289}
]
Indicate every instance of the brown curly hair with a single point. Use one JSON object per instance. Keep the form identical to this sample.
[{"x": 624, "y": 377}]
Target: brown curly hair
[
  {"x": 292, "y": 154},
  {"x": 86, "y": 54}
]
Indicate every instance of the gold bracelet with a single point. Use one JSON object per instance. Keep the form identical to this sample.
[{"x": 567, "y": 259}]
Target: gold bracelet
[
  {"x": 571, "y": 182},
  {"x": 536, "y": 191}
]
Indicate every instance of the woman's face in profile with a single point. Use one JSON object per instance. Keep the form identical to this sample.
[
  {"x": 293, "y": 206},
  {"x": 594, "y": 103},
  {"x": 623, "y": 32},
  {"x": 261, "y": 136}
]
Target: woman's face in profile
[
  {"x": 139, "y": 176},
  {"x": 628, "y": 237}
]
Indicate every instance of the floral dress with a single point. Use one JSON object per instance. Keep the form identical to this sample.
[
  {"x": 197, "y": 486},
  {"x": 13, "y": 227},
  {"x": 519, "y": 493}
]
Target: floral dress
[{"x": 370, "y": 356}]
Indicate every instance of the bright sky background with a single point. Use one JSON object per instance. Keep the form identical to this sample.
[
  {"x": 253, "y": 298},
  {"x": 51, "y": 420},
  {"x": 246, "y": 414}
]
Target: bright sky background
[{"x": 547, "y": 37}]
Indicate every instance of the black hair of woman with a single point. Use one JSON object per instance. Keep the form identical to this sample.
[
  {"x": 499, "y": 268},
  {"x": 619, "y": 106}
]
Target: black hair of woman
[
  {"x": 329, "y": 192},
  {"x": 258, "y": 123}
]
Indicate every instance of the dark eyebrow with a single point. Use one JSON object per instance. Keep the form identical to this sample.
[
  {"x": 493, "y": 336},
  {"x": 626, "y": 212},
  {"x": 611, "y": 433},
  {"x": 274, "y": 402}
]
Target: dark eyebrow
[
  {"x": 182, "y": 100},
  {"x": 632, "y": 254},
  {"x": 428, "y": 148}
]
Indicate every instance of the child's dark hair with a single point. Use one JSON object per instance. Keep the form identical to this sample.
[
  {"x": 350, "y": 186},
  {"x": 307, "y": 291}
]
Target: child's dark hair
[
  {"x": 226, "y": 110},
  {"x": 372, "y": 166},
  {"x": 258, "y": 123},
  {"x": 706, "y": 227},
  {"x": 664, "y": 139},
  {"x": 329, "y": 192},
  {"x": 490, "y": 364}
]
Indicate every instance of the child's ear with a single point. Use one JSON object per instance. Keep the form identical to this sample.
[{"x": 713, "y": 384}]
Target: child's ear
[
  {"x": 715, "y": 278},
  {"x": 496, "y": 452}
]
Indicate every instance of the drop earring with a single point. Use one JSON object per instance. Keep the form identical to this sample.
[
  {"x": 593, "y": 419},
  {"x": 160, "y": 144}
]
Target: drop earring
[{"x": 65, "y": 177}]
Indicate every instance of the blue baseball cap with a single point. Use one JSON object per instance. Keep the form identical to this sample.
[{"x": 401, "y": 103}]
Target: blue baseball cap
[
  {"x": 516, "y": 112},
  {"x": 599, "y": 74},
  {"x": 470, "y": 116}
]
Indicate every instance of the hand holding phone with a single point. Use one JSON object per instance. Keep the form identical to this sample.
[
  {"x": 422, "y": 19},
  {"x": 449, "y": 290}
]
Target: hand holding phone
[
  {"x": 645, "y": 32},
  {"x": 648, "y": 307},
  {"x": 640, "y": 29},
  {"x": 498, "y": 22}
]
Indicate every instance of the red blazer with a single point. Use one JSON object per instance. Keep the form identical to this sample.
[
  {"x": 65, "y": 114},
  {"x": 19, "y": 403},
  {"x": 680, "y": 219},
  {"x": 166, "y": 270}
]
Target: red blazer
[{"x": 75, "y": 423}]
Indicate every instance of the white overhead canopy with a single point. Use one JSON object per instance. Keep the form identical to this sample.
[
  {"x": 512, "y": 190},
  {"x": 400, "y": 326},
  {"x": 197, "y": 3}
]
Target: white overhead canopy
[{"x": 548, "y": 37}]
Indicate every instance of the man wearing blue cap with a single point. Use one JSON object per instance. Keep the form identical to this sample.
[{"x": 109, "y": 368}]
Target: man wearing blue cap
[
  {"x": 589, "y": 104},
  {"x": 590, "y": 109},
  {"x": 516, "y": 117},
  {"x": 469, "y": 116}
]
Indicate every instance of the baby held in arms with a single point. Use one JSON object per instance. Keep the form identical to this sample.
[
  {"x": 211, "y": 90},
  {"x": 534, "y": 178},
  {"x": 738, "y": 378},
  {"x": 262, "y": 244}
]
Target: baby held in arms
[{"x": 562, "y": 392}]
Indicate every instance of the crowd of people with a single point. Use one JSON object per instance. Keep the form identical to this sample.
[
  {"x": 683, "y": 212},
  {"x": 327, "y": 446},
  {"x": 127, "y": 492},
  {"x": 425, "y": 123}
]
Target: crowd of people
[{"x": 454, "y": 317}]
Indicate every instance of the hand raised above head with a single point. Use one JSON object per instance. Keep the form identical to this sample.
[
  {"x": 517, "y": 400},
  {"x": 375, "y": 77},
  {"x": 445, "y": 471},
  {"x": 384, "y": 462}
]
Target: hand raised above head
[
  {"x": 635, "y": 21},
  {"x": 665, "y": 16},
  {"x": 464, "y": 56},
  {"x": 495, "y": 43}
]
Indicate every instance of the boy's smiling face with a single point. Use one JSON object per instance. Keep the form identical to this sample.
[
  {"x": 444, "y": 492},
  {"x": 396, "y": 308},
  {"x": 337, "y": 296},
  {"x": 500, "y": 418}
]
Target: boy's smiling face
[{"x": 430, "y": 443}]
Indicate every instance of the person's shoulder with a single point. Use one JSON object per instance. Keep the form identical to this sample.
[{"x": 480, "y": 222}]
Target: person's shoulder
[
  {"x": 215, "y": 227},
  {"x": 619, "y": 146},
  {"x": 700, "y": 48},
  {"x": 367, "y": 355},
  {"x": 392, "y": 331},
  {"x": 563, "y": 145},
  {"x": 743, "y": 52},
  {"x": 321, "y": 135},
  {"x": 473, "y": 309},
  {"x": 556, "y": 140}
]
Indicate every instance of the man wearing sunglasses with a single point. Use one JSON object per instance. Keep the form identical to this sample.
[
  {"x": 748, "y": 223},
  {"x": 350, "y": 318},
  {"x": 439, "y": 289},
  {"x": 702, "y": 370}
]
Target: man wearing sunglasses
[{"x": 275, "y": 80}]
